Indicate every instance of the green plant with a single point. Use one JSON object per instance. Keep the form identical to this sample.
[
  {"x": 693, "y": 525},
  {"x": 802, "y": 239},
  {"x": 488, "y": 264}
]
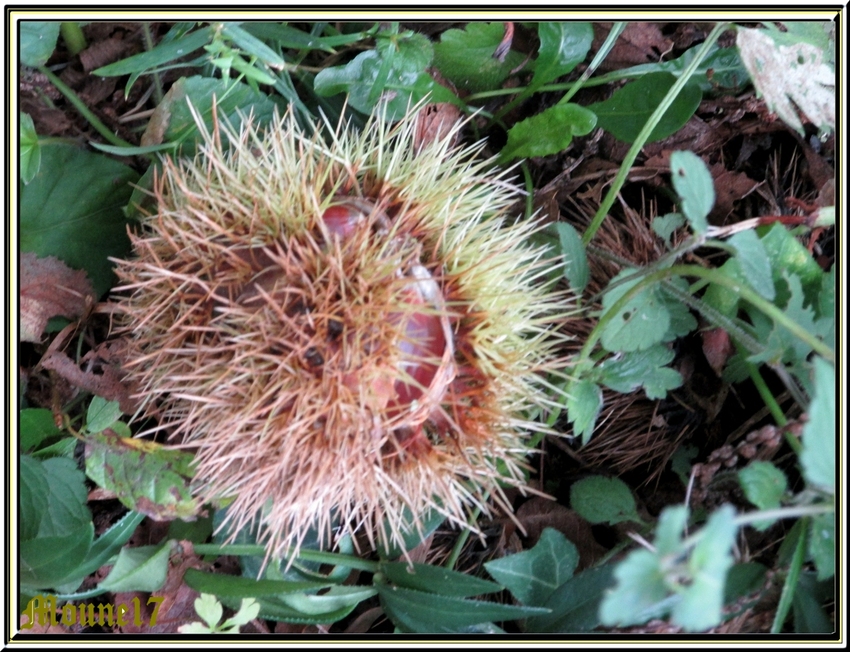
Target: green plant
[
  {"x": 774, "y": 302},
  {"x": 210, "y": 610}
]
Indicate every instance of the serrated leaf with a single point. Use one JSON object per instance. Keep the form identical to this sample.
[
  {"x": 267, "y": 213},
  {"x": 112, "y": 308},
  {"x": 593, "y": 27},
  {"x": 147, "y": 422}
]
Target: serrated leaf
[
  {"x": 665, "y": 225},
  {"x": 532, "y": 576},
  {"x": 626, "y": 112},
  {"x": 822, "y": 545},
  {"x": 548, "y": 132},
  {"x": 763, "y": 484},
  {"x": 563, "y": 45},
  {"x": 38, "y": 40},
  {"x": 145, "y": 476},
  {"x": 429, "y": 613},
  {"x": 436, "y": 579},
  {"x": 139, "y": 569},
  {"x": 638, "y": 325},
  {"x": 627, "y": 372},
  {"x": 466, "y": 57},
  {"x": 102, "y": 414},
  {"x": 583, "y": 405},
  {"x": 818, "y": 455},
  {"x": 576, "y": 269},
  {"x": 754, "y": 261},
  {"x": 91, "y": 190},
  {"x": 791, "y": 77},
  {"x": 695, "y": 187},
  {"x": 598, "y": 499}
]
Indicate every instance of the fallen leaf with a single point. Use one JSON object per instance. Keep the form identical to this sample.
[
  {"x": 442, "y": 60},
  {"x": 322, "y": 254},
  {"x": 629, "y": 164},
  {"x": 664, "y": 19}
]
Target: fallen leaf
[
  {"x": 717, "y": 348},
  {"x": 49, "y": 288},
  {"x": 108, "y": 384}
]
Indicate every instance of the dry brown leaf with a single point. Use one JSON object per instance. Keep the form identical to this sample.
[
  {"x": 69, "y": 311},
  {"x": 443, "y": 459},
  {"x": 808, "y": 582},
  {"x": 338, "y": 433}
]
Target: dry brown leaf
[
  {"x": 49, "y": 288},
  {"x": 108, "y": 384}
]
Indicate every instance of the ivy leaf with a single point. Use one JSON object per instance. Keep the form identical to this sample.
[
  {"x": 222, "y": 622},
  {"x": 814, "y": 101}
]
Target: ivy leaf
[
  {"x": 563, "y": 45},
  {"x": 598, "y": 499},
  {"x": 626, "y": 112},
  {"x": 466, "y": 57},
  {"x": 695, "y": 187},
  {"x": 625, "y": 373},
  {"x": 548, "y": 132},
  {"x": 532, "y": 576}
]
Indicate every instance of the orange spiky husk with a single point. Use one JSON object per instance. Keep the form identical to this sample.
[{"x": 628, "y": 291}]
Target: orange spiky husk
[{"x": 343, "y": 331}]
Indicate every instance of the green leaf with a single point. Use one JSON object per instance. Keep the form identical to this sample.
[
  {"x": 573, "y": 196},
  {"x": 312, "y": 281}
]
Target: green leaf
[
  {"x": 639, "y": 593},
  {"x": 626, "y": 112},
  {"x": 248, "y": 610},
  {"x": 34, "y": 495},
  {"x": 721, "y": 67},
  {"x": 754, "y": 261},
  {"x": 146, "y": 477},
  {"x": 139, "y": 569},
  {"x": 412, "y": 535},
  {"x": 563, "y": 45},
  {"x": 102, "y": 414},
  {"x": 790, "y": 258},
  {"x": 791, "y": 77},
  {"x": 665, "y": 225},
  {"x": 47, "y": 562},
  {"x": 91, "y": 190},
  {"x": 638, "y": 325},
  {"x": 576, "y": 269},
  {"x": 763, "y": 484},
  {"x": 30, "y": 148},
  {"x": 809, "y": 615},
  {"x": 548, "y": 132},
  {"x": 162, "y": 54},
  {"x": 423, "y": 613},
  {"x": 37, "y": 425},
  {"x": 252, "y": 45},
  {"x": 626, "y": 372},
  {"x": 233, "y": 586},
  {"x": 575, "y": 604},
  {"x": 337, "y": 598},
  {"x": 598, "y": 499},
  {"x": 695, "y": 187},
  {"x": 466, "y": 57},
  {"x": 532, "y": 576},
  {"x": 109, "y": 543},
  {"x": 436, "y": 579},
  {"x": 53, "y": 497},
  {"x": 38, "y": 40},
  {"x": 822, "y": 545},
  {"x": 209, "y": 609},
  {"x": 818, "y": 455},
  {"x": 583, "y": 405}
]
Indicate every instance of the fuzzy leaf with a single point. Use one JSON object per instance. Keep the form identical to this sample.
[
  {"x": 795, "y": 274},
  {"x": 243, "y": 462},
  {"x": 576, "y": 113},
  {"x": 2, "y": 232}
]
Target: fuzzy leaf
[
  {"x": 822, "y": 545},
  {"x": 763, "y": 485},
  {"x": 38, "y": 40},
  {"x": 790, "y": 77},
  {"x": 30, "y": 159},
  {"x": 72, "y": 209},
  {"x": 598, "y": 499},
  {"x": 665, "y": 225},
  {"x": 754, "y": 261},
  {"x": 583, "y": 405},
  {"x": 626, "y": 372},
  {"x": 466, "y": 57},
  {"x": 626, "y": 112},
  {"x": 638, "y": 325},
  {"x": 548, "y": 132},
  {"x": 695, "y": 187},
  {"x": 563, "y": 45},
  {"x": 139, "y": 569},
  {"x": 533, "y": 575},
  {"x": 576, "y": 269},
  {"x": 49, "y": 288},
  {"x": 818, "y": 455}
]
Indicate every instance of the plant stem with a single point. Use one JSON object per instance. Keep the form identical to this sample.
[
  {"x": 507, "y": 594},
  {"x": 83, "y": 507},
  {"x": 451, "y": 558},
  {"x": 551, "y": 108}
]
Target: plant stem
[
  {"x": 610, "y": 40},
  {"x": 650, "y": 125},
  {"x": 78, "y": 104},
  {"x": 767, "y": 396},
  {"x": 787, "y": 597},
  {"x": 158, "y": 93}
]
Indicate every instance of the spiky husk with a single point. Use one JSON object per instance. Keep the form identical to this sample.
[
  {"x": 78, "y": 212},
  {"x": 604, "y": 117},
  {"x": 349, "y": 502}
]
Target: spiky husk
[{"x": 275, "y": 338}]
